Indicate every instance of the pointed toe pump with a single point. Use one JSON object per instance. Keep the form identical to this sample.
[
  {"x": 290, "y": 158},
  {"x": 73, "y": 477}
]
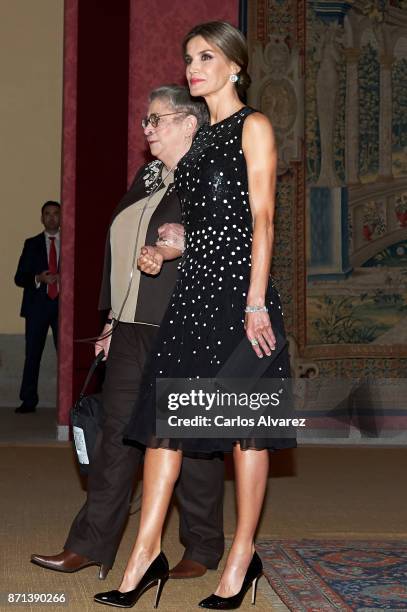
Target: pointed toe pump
[
  {"x": 254, "y": 572},
  {"x": 157, "y": 574}
]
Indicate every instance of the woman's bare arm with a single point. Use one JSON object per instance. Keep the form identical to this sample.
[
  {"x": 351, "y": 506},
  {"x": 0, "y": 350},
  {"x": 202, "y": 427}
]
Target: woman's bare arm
[{"x": 259, "y": 148}]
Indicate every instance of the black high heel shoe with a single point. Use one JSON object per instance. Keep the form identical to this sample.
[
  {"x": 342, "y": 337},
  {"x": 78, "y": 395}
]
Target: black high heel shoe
[
  {"x": 254, "y": 571},
  {"x": 157, "y": 574}
]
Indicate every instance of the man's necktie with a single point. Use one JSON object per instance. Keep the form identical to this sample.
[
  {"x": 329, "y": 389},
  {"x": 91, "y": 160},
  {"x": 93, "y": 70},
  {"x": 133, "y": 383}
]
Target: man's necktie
[{"x": 52, "y": 290}]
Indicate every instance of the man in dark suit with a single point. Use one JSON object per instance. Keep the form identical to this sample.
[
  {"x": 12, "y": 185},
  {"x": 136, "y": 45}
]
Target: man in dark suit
[{"x": 37, "y": 273}]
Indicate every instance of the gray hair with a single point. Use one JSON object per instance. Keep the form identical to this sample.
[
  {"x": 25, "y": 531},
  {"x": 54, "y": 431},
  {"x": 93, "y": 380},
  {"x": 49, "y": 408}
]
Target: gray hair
[{"x": 179, "y": 99}]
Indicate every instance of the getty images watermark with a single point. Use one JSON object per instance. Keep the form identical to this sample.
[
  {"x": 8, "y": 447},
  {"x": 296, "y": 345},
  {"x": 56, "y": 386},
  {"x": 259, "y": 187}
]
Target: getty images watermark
[
  {"x": 229, "y": 408},
  {"x": 275, "y": 408}
]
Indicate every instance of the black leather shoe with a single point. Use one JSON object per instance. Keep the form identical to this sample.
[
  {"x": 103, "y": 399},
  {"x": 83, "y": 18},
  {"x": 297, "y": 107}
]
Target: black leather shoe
[
  {"x": 24, "y": 408},
  {"x": 157, "y": 574},
  {"x": 254, "y": 571}
]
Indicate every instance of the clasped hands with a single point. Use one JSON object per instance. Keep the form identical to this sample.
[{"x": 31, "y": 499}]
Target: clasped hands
[
  {"x": 170, "y": 245},
  {"x": 47, "y": 278}
]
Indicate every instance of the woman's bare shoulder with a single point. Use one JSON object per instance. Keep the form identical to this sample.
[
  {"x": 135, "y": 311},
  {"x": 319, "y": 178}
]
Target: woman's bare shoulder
[{"x": 257, "y": 128}]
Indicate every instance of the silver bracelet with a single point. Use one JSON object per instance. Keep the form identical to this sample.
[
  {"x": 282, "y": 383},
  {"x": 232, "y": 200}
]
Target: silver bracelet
[{"x": 256, "y": 309}]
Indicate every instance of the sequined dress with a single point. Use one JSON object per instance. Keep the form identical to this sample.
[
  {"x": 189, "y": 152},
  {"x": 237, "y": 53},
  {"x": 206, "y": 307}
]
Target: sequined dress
[{"x": 204, "y": 321}]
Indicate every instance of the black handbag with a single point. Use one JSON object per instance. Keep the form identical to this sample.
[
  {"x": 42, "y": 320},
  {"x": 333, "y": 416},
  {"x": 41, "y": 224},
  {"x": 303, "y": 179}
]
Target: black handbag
[{"x": 86, "y": 421}]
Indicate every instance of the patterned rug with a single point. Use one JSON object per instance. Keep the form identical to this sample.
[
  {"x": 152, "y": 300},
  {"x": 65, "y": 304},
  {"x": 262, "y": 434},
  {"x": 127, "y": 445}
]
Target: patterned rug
[{"x": 318, "y": 575}]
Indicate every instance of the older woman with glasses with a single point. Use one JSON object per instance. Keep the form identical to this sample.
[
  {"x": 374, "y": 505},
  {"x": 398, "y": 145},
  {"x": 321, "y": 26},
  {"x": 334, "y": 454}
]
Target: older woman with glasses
[{"x": 137, "y": 303}]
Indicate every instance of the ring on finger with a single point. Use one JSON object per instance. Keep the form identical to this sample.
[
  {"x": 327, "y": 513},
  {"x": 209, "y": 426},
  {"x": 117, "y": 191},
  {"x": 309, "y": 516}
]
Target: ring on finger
[{"x": 254, "y": 342}]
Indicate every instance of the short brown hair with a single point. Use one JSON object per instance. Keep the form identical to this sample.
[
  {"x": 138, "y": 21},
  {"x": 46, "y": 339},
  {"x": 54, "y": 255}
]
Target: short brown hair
[{"x": 230, "y": 41}]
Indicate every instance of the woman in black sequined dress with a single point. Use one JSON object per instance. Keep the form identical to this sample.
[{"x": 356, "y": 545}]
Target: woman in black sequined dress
[{"x": 226, "y": 183}]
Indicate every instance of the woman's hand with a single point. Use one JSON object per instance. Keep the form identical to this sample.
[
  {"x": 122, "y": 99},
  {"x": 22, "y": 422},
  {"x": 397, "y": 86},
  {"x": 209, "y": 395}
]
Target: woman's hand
[
  {"x": 260, "y": 333},
  {"x": 171, "y": 235},
  {"x": 103, "y": 342},
  {"x": 150, "y": 260}
]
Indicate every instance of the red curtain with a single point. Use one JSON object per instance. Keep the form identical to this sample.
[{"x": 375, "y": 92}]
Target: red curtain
[
  {"x": 115, "y": 53},
  {"x": 157, "y": 28}
]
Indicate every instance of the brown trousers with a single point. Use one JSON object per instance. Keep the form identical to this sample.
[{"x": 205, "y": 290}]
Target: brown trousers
[{"x": 98, "y": 527}]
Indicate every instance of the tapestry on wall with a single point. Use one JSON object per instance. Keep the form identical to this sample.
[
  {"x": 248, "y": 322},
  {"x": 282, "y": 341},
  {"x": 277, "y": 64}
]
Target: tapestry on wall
[{"x": 330, "y": 77}]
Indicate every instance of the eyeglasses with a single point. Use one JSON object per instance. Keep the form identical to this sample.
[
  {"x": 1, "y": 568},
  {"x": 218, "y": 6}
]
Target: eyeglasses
[{"x": 154, "y": 119}]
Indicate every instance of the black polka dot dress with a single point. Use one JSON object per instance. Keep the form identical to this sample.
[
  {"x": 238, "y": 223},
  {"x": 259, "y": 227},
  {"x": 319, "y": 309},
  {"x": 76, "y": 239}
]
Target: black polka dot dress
[{"x": 204, "y": 322}]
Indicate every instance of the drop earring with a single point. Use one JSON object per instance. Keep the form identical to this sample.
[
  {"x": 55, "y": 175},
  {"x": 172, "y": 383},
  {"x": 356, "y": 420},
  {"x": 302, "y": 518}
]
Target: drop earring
[{"x": 234, "y": 78}]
